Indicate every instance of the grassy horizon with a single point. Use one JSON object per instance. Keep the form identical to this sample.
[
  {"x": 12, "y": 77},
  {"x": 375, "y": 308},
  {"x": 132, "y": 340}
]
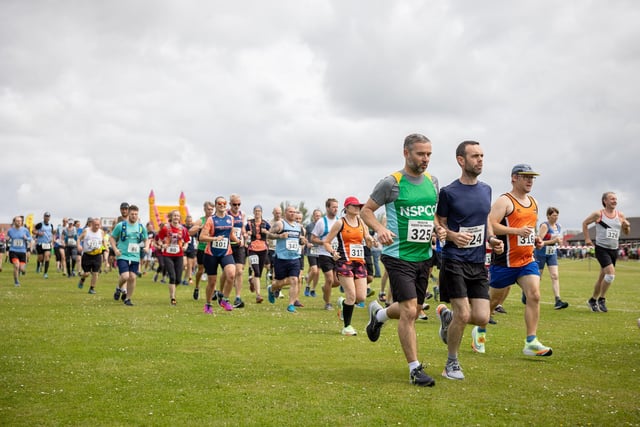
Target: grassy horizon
[{"x": 70, "y": 358}]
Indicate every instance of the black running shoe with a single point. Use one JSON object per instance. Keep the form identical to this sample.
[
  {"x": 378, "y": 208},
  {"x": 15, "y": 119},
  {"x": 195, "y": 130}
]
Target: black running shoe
[
  {"x": 601, "y": 305},
  {"x": 196, "y": 294},
  {"x": 116, "y": 294},
  {"x": 123, "y": 295},
  {"x": 593, "y": 305},
  {"x": 419, "y": 377},
  {"x": 374, "y": 327},
  {"x": 128, "y": 302},
  {"x": 559, "y": 305}
]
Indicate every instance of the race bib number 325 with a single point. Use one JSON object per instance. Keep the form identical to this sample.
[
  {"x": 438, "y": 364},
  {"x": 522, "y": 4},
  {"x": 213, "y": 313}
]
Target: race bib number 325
[{"x": 419, "y": 231}]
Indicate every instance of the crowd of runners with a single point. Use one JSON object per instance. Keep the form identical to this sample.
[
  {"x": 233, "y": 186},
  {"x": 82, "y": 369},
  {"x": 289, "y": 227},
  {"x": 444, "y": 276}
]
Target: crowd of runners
[{"x": 480, "y": 248}]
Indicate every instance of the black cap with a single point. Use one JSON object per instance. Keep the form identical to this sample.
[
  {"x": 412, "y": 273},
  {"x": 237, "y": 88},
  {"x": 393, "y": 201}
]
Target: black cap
[{"x": 124, "y": 205}]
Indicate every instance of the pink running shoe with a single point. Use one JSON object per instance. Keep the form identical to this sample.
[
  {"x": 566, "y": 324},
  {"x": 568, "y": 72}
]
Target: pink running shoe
[{"x": 224, "y": 303}]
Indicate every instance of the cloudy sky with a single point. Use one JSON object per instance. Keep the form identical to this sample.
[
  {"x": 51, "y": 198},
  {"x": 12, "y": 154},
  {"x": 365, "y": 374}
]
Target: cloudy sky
[{"x": 101, "y": 102}]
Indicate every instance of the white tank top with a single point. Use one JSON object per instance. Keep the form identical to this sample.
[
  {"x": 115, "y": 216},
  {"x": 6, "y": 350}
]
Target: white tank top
[
  {"x": 608, "y": 231},
  {"x": 92, "y": 242}
]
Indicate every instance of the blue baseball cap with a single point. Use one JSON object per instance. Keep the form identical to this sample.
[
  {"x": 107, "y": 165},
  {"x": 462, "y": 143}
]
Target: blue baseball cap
[{"x": 523, "y": 169}]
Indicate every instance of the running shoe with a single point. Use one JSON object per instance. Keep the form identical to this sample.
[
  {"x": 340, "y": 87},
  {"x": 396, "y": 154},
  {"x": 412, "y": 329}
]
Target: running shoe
[
  {"x": 297, "y": 303},
  {"x": 174, "y": 302},
  {"x": 593, "y": 305},
  {"x": 477, "y": 340},
  {"x": 80, "y": 284},
  {"x": 523, "y": 298},
  {"x": 270, "y": 295},
  {"x": 123, "y": 295},
  {"x": 259, "y": 299},
  {"x": 426, "y": 306},
  {"x": 224, "y": 303},
  {"x": 360, "y": 304},
  {"x": 291, "y": 308},
  {"x": 536, "y": 348},
  {"x": 370, "y": 292},
  {"x": 207, "y": 309},
  {"x": 196, "y": 294},
  {"x": 419, "y": 377},
  {"x": 307, "y": 291},
  {"x": 452, "y": 370},
  {"x": 238, "y": 303},
  {"x": 423, "y": 316},
  {"x": 560, "y": 305},
  {"x": 492, "y": 321},
  {"x": 312, "y": 293},
  {"x": 374, "y": 326},
  {"x": 500, "y": 309},
  {"x": 46, "y": 276},
  {"x": 349, "y": 331},
  {"x": 117, "y": 293},
  {"x": 340, "y": 308},
  {"x": 155, "y": 277},
  {"x": 328, "y": 306},
  {"x": 445, "y": 316},
  {"x": 92, "y": 291},
  {"x": 16, "y": 284},
  {"x": 382, "y": 297},
  {"x": 601, "y": 305},
  {"x": 128, "y": 302}
]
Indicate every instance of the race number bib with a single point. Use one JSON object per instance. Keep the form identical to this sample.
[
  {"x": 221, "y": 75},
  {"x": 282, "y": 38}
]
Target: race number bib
[
  {"x": 238, "y": 232},
  {"x": 334, "y": 245},
  {"x": 70, "y": 242},
  {"x": 612, "y": 233},
  {"x": 313, "y": 251},
  {"x": 18, "y": 243},
  {"x": 133, "y": 248},
  {"x": 93, "y": 244},
  {"x": 550, "y": 250},
  {"x": 220, "y": 244},
  {"x": 46, "y": 246},
  {"x": 528, "y": 240},
  {"x": 477, "y": 235},
  {"x": 254, "y": 260},
  {"x": 487, "y": 258},
  {"x": 419, "y": 231},
  {"x": 173, "y": 249},
  {"x": 292, "y": 245},
  {"x": 356, "y": 251}
]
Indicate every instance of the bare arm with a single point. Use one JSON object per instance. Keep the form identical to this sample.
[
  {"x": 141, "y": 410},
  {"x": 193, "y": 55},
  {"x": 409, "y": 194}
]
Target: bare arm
[
  {"x": 626, "y": 225},
  {"x": 333, "y": 232},
  {"x": 367, "y": 213},
  {"x": 593, "y": 217}
]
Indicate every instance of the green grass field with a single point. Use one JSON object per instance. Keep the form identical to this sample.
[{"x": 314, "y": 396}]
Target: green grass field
[{"x": 70, "y": 358}]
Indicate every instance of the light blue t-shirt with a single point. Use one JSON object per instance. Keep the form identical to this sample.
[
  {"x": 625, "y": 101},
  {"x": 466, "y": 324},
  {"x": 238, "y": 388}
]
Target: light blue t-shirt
[
  {"x": 130, "y": 238},
  {"x": 19, "y": 239}
]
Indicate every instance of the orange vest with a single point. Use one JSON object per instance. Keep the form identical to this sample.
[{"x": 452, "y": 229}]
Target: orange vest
[
  {"x": 518, "y": 250},
  {"x": 351, "y": 242}
]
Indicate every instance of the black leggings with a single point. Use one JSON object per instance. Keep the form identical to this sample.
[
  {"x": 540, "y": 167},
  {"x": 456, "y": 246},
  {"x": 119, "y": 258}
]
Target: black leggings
[{"x": 173, "y": 266}]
